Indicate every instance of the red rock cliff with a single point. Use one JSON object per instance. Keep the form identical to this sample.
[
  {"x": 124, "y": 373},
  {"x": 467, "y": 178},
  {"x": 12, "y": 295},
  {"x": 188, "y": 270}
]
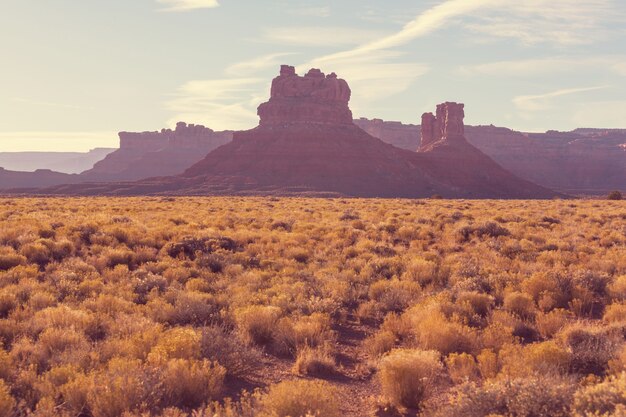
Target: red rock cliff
[
  {"x": 313, "y": 98},
  {"x": 446, "y": 125}
]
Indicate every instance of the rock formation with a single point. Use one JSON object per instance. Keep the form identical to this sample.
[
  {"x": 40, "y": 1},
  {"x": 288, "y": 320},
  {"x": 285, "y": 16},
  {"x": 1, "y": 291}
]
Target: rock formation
[
  {"x": 446, "y": 125},
  {"x": 306, "y": 143},
  {"x": 314, "y": 98},
  {"x": 149, "y": 154},
  {"x": 584, "y": 161},
  {"x": 404, "y": 136}
]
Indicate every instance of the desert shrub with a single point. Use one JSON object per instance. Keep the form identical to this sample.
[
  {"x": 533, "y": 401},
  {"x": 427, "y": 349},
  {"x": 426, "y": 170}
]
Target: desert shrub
[
  {"x": 617, "y": 288},
  {"x": 409, "y": 377},
  {"x": 124, "y": 386},
  {"x": 546, "y": 358},
  {"x": 219, "y": 345},
  {"x": 521, "y": 397},
  {"x": 591, "y": 348},
  {"x": 194, "y": 308},
  {"x": 435, "y": 332},
  {"x": 8, "y": 302},
  {"x": 615, "y": 313},
  {"x": 519, "y": 304},
  {"x": 300, "y": 398},
  {"x": 549, "y": 324},
  {"x": 10, "y": 259},
  {"x": 37, "y": 253},
  {"x": 421, "y": 271},
  {"x": 88, "y": 334},
  {"x": 478, "y": 303},
  {"x": 380, "y": 343},
  {"x": 616, "y": 365},
  {"x": 314, "y": 362},
  {"x": 298, "y": 254},
  {"x": 62, "y": 346},
  {"x": 487, "y": 361},
  {"x": 312, "y": 331},
  {"x": 489, "y": 229},
  {"x": 382, "y": 268},
  {"x": 614, "y": 195},
  {"x": 607, "y": 398},
  {"x": 286, "y": 225},
  {"x": 191, "y": 383},
  {"x": 549, "y": 290},
  {"x": 114, "y": 257},
  {"x": 257, "y": 323},
  {"x": 190, "y": 247},
  {"x": 394, "y": 295},
  {"x": 7, "y": 402},
  {"x": 248, "y": 405},
  {"x": 177, "y": 343},
  {"x": 462, "y": 367}
]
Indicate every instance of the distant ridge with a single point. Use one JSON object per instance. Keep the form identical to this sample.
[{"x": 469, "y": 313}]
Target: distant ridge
[
  {"x": 307, "y": 143},
  {"x": 583, "y": 161}
]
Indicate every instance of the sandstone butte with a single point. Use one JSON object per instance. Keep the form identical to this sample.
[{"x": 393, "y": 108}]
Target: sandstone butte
[
  {"x": 307, "y": 144},
  {"x": 140, "y": 155},
  {"x": 583, "y": 161}
]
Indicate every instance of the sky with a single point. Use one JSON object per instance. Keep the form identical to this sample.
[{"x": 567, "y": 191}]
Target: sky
[{"x": 75, "y": 72}]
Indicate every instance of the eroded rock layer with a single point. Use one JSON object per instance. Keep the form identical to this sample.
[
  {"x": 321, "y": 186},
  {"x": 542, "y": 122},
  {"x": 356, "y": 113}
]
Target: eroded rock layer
[{"x": 306, "y": 143}]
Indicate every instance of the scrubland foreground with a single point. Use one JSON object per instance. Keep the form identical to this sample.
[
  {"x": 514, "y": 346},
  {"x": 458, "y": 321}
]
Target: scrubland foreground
[{"x": 233, "y": 307}]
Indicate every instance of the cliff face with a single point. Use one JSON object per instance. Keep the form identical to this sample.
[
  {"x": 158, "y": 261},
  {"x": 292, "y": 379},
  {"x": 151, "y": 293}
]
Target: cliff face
[
  {"x": 403, "y": 136},
  {"x": 313, "y": 98},
  {"x": 590, "y": 162},
  {"x": 149, "y": 154},
  {"x": 306, "y": 143},
  {"x": 586, "y": 161},
  {"x": 447, "y": 125}
]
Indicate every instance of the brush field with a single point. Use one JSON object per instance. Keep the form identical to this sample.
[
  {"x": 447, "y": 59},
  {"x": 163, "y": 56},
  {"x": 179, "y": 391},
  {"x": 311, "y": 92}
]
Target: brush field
[{"x": 276, "y": 307}]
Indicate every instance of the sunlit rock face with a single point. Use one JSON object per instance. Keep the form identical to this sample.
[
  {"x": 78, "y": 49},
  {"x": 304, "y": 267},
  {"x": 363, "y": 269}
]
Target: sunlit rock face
[
  {"x": 307, "y": 144},
  {"x": 447, "y": 124},
  {"x": 159, "y": 153},
  {"x": 583, "y": 161},
  {"x": 312, "y": 98}
]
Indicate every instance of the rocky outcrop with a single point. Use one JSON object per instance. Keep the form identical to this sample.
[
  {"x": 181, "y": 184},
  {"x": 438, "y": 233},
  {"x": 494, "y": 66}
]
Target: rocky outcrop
[
  {"x": 583, "y": 161},
  {"x": 149, "y": 154},
  {"x": 313, "y": 98},
  {"x": 580, "y": 162},
  {"x": 404, "y": 136},
  {"x": 307, "y": 144},
  {"x": 446, "y": 125}
]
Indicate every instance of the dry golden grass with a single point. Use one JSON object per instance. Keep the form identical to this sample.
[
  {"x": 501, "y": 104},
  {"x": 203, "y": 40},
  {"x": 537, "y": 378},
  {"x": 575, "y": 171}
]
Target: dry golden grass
[{"x": 165, "y": 306}]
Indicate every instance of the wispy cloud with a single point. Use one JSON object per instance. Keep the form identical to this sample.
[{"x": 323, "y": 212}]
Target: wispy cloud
[
  {"x": 374, "y": 76},
  {"x": 186, "y": 5},
  {"x": 539, "y": 102},
  {"x": 311, "y": 11},
  {"x": 423, "y": 24},
  {"x": 254, "y": 65},
  {"x": 545, "y": 66},
  {"x": 219, "y": 104},
  {"x": 319, "y": 35},
  {"x": 559, "y": 22}
]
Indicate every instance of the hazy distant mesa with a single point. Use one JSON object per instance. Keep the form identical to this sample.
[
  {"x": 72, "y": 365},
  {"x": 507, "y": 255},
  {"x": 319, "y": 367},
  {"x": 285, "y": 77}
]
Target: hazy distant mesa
[{"x": 307, "y": 125}]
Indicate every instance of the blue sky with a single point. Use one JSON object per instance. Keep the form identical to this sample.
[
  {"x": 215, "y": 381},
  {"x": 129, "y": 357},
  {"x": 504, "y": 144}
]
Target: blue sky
[{"x": 74, "y": 72}]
